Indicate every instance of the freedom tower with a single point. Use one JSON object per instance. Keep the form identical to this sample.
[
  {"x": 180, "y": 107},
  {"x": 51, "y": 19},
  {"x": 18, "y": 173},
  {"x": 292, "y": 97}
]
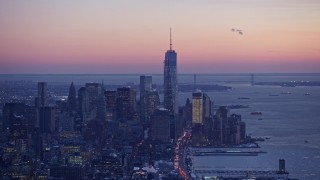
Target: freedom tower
[{"x": 170, "y": 84}]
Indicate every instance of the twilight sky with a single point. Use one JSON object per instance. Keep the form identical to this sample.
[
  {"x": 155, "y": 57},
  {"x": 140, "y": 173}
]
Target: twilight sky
[{"x": 131, "y": 36}]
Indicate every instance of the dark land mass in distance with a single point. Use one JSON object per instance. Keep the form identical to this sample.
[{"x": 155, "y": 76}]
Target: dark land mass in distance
[
  {"x": 182, "y": 88},
  {"x": 290, "y": 83}
]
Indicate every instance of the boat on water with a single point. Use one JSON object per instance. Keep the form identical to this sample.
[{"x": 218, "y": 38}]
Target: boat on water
[
  {"x": 285, "y": 93},
  {"x": 243, "y": 98},
  {"x": 307, "y": 94},
  {"x": 259, "y": 139},
  {"x": 237, "y": 106},
  {"x": 260, "y": 119},
  {"x": 256, "y": 113},
  {"x": 288, "y": 85}
]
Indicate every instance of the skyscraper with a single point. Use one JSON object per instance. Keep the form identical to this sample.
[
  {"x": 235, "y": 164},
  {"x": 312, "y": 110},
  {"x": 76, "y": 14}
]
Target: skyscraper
[
  {"x": 153, "y": 101},
  {"x": 170, "y": 81},
  {"x": 111, "y": 104},
  {"x": 101, "y": 108},
  {"x": 15, "y": 125},
  {"x": 11, "y": 114},
  {"x": 42, "y": 99},
  {"x": 72, "y": 99},
  {"x": 207, "y": 106},
  {"x": 145, "y": 88},
  {"x": 126, "y": 101},
  {"x": 187, "y": 113},
  {"x": 160, "y": 125},
  {"x": 201, "y": 107},
  {"x": 81, "y": 102},
  {"x": 91, "y": 95},
  {"x": 197, "y": 107},
  {"x": 47, "y": 119},
  {"x": 221, "y": 118}
]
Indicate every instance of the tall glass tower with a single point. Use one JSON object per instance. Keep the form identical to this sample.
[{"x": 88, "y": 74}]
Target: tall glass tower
[
  {"x": 170, "y": 81},
  {"x": 145, "y": 89},
  {"x": 72, "y": 98},
  {"x": 42, "y": 99}
]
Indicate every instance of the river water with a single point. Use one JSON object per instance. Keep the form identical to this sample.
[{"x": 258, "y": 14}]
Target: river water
[{"x": 289, "y": 120}]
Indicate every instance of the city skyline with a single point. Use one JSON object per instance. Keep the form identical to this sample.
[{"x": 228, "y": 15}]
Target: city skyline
[{"x": 124, "y": 37}]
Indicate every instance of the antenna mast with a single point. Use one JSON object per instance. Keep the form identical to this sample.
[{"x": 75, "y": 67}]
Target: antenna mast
[{"x": 170, "y": 40}]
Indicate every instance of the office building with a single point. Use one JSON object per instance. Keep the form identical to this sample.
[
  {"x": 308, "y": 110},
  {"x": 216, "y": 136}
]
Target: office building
[
  {"x": 72, "y": 99},
  {"x": 228, "y": 130},
  {"x": 207, "y": 106},
  {"x": 170, "y": 84},
  {"x": 153, "y": 102},
  {"x": 66, "y": 121},
  {"x": 90, "y": 99},
  {"x": 42, "y": 99},
  {"x": 47, "y": 119},
  {"x": 111, "y": 105},
  {"x": 187, "y": 113},
  {"x": 145, "y": 88},
  {"x": 126, "y": 100},
  {"x": 15, "y": 124},
  {"x": 101, "y": 108},
  {"x": 220, "y": 121},
  {"x": 202, "y": 107},
  {"x": 197, "y": 108},
  {"x": 160, "y": 125},
  {"x": 81, "y": 99},
  {"x": 10, "y": 112}
]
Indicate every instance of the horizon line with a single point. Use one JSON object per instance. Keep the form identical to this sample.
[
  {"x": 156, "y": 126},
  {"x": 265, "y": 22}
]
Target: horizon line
[{"x": 235, "y": 73}]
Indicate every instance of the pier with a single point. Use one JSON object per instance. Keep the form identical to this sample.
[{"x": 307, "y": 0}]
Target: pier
[
  {"x": 242, "y": 174},
  {"x": 227, "y": 153}
]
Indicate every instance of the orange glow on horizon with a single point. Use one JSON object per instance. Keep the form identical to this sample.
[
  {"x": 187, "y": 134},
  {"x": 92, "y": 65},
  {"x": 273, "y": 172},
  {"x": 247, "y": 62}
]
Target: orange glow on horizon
[{"x": 119, "y": 34}]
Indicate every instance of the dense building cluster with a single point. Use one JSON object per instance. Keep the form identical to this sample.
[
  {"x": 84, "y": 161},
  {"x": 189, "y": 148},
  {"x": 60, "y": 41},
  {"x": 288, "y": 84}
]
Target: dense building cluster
[
  {"x": 99, "y": 133},
  {"x": 209, "y": 128}
]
